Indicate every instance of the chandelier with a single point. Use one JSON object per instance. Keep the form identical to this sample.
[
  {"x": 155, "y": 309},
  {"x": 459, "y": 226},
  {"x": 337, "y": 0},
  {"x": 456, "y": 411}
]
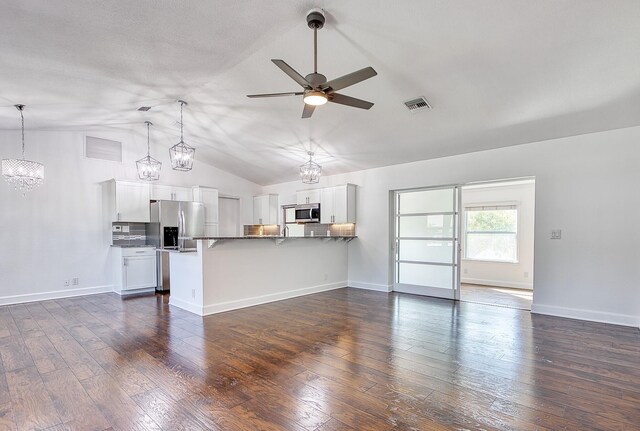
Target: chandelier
[
  {"x": 148, "y": 167},
  {"x": 182, "y": 154},
  {"x": 310, "y": 171},
  {"x": 22, "y": 174}
]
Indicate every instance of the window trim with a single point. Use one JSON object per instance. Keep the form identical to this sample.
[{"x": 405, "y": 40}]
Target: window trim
[{"x": 487, "y": 206}]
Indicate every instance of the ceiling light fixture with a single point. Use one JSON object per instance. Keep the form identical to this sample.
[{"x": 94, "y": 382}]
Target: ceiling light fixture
[
  {"x": 148, "y": 167},
  {"x": 315, "y": 98},
  {"x": 310, "y": 172},
  {"x": 181, "y": 154},
  {"x": 21, "y": 173}
]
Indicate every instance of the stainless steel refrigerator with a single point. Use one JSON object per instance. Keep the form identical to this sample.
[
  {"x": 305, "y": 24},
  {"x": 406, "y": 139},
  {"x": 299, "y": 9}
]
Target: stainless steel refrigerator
[{"x": 172, "y": 226}]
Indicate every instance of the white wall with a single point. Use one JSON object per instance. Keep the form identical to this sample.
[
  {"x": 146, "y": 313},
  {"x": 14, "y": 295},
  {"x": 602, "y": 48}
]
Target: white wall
[
  {"x": 56, "y": 232},
  {"x": 586, "y": 185},
  {"x": 506, "y": 274}
]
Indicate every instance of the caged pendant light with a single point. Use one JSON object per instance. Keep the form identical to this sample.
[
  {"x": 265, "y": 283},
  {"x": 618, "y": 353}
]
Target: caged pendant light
[
  {"x": 182, "y": 154},
  {"x": 148, "y": 167},
  {"x": 22, "y": 174},
  {"x": 310, "y": 172}
]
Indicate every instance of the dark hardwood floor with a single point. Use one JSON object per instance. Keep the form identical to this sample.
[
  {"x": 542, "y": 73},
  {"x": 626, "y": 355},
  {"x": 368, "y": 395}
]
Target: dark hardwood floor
[
  {"x": 500, "y": 296},
  {"x": 342, "y": 360}
]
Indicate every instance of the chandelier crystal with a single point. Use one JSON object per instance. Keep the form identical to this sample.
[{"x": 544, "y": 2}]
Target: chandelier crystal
[
  {"x": 310, "y": 172},
  {"x": 22, "y": 174},
  {"x": 182, "y": 154},
  {"x": 148, "y": 167}
]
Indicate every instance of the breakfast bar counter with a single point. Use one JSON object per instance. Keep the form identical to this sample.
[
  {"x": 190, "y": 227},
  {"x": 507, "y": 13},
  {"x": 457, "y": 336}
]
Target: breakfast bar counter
[{"x": 227, "y": 273}]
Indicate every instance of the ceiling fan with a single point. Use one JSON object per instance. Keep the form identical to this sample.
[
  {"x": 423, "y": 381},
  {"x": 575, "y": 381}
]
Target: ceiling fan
[{"x": 317, "y": 90}]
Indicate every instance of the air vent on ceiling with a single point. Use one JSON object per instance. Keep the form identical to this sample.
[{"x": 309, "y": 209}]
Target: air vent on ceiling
[
  {"x": 103, "y": 149},
  {"x": 144, "y": 108},
  {"x": 419, "y": 104}
]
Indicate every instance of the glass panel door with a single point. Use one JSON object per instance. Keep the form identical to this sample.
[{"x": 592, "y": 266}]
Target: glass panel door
[{"x": 426, "y": 243}]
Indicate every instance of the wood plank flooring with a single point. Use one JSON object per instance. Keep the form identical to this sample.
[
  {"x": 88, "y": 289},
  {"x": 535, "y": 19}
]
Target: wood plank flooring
[
  {"x": 347, "y": 359},
  {"x": 501, "y": 296}
]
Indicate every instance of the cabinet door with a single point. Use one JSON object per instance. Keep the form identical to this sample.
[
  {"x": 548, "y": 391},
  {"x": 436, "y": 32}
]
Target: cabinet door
[
  {"x": 314, "y": 196},
  {"x": 340, "y": 205},
  {"x": 181, "y": 194},
  {"x": 161, "y": 193},
  {"x": 327, "y": 205},
  {"x": 132, "y": 202},
  {"x": 139, "y": 272},
  {"x": 258, "y": 203},
  {"x": 301, "y": 197}
]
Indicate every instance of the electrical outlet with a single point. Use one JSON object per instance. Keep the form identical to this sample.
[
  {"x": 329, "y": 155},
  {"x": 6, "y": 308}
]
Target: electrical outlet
[
  {"x": 325, "y": 277},
  {"x": 66, "y": 282},
  {"x": 117, "y": 228},
  {"x": 556, "y": 234},
  {"x": 75, "y": 281},
  {"x": 466, "y": 271},
  {"x": 193, "y": 293},
  {"x": 526, "y": 274},
  {"x": 125, "y": 228}
]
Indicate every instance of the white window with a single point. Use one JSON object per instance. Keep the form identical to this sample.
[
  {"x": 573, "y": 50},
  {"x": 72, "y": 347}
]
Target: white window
[{"x": 491, "y": 233}]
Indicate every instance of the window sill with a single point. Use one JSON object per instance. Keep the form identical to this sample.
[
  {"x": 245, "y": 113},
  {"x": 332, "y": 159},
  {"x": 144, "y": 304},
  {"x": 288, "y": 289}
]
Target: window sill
[{"x": 466, "y": 259}]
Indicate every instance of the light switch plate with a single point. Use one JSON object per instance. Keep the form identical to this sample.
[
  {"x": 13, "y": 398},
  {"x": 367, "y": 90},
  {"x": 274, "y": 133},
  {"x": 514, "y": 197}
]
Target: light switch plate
[{"x": 556, "y": 234}]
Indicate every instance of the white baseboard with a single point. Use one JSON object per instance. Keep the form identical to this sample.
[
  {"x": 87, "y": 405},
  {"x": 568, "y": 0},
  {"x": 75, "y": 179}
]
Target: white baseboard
[
  {"x": 589, "y": 315},
  {"x": 57, "y": 294},
  {"x": 135, "y": 291},
  {"x": 497, "y": 283},
  {"x": 257, "y": 300},
  {"x": 371, "y": 286},
  {"x": 185, "y": 305}
]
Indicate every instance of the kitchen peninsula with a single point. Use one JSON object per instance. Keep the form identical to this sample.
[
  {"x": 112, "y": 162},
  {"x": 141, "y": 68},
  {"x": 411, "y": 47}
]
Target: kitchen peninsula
[{"x": 229, "y": 273}]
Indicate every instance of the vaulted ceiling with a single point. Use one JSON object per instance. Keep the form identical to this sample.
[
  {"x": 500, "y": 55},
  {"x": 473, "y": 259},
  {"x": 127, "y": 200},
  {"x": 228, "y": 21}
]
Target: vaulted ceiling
[{"x": 497, "y": 73}]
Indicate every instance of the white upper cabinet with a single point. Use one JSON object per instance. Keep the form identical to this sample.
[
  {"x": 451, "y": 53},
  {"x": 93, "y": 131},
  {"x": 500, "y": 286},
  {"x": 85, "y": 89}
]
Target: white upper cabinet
[
  {"x": 209, "y": 197},
  {"x": 308, "y": 197},
  {"x": 182, "y": 194},
  {"x": 265, "y": 209},
  {"x": 338, "y": 204},
  {"x": 128, "y": 201},
  {"x": 161, "y": 192}
]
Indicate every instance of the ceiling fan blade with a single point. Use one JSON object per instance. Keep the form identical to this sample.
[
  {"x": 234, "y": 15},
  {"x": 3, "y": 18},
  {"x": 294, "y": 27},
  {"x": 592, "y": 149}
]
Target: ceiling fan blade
[
  {"x": 349, "y": 101},
  {"x": 308, "y": 110},
  {"x": 348, "y": 80},
  {"x": 292, "y": 73},
  {"x": 300, "y": 93}
]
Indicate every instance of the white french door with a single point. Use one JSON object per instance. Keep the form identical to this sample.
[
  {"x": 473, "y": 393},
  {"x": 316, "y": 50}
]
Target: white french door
[{"x": 426, "y": 242}]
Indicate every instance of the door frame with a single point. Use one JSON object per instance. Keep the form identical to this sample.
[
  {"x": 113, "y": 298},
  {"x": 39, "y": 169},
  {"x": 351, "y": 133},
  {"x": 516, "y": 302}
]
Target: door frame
[{"x": 456, "y": 258}]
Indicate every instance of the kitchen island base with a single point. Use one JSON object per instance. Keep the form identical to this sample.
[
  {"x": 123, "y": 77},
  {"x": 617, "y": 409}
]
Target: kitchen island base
[{"x": 245, "y": 272}]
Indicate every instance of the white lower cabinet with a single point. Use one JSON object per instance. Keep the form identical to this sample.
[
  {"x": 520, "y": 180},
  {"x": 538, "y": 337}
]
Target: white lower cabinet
[{"x": 134, "y": 269}]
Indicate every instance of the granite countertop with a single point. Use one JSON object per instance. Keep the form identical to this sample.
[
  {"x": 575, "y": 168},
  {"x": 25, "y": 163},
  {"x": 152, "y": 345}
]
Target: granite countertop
[
  {"x": 272, "y": 237},
  {"x": 133, "y": 246}
]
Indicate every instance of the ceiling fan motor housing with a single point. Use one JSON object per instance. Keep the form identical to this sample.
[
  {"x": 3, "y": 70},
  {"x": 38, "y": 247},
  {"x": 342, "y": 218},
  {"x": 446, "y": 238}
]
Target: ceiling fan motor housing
[{"x": 315, "y": 18}]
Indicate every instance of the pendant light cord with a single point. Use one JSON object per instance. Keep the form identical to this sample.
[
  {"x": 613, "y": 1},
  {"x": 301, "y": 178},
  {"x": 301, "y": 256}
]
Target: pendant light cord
[
  {"x": 148, "y": 147},
  {"x": 20, "y": 108},
  {"x": 181, "y": 123}
]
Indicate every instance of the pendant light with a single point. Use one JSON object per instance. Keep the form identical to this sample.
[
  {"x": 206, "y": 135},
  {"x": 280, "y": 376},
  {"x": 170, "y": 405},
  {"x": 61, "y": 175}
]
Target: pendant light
[
  {"x": 182, "y": 154},
  {"x": 22, "y": 174},
  {"x": 310, "y": 171},
  {"x": 148, "y": 167}
]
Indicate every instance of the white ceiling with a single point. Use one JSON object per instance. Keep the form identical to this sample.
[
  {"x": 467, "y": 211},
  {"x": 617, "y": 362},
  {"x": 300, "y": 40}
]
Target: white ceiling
[{"x": 497, "y": 73}]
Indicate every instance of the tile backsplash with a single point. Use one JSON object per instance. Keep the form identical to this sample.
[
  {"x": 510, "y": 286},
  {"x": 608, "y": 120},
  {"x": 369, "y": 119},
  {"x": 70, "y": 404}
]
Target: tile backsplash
[
  {"x": 319, "y": 229},
  {"x": 123, "y": 233}
]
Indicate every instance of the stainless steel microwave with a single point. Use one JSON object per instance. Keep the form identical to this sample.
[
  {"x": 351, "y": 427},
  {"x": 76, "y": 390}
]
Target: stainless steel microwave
[{"x": 309, "y": 213}]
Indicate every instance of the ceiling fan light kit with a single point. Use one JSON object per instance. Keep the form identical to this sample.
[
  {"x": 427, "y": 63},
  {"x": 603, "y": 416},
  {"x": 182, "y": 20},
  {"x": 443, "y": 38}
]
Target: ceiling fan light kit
[{"x": 316, "y": 89}]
